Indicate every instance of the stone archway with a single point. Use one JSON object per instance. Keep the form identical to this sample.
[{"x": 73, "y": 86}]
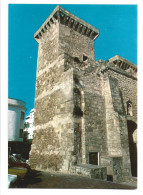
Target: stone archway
[{"x": 132, "y": 128}]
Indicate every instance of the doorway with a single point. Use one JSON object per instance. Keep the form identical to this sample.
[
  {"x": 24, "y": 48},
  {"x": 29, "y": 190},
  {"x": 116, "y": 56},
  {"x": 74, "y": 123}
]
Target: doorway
[{"x": 132, "y": 126}]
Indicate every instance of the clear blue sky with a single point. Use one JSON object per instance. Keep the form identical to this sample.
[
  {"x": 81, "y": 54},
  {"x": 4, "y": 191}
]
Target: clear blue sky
[{"x": 117, "y": 25}]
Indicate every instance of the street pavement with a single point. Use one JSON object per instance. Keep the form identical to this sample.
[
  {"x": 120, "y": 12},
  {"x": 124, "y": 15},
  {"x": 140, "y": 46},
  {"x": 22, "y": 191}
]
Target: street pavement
[{"x": 40, "y": 179}]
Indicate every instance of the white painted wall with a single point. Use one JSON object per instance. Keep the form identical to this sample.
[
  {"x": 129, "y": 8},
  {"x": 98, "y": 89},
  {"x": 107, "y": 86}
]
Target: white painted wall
[
  {"x": 30, "y": 122},
  {"x": 15, "y": 123}
]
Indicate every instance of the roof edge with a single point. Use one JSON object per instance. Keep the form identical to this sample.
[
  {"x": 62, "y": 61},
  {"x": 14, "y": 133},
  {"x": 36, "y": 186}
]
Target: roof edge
[
  {"x": 117, "y": 57},
  {"x": 63, "y": 16}
]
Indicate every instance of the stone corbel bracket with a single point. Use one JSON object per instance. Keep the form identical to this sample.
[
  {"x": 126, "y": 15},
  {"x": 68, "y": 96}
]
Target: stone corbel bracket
[{"x": 66, "y": 18}]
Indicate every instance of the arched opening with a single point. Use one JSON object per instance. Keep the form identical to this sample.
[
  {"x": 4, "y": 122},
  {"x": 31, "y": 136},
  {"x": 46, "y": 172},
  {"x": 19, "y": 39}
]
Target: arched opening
[{"x": 132, "y": 127}]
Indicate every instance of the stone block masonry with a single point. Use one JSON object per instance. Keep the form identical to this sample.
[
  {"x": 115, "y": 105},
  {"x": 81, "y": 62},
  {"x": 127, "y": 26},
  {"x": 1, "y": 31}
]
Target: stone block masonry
[{"x": 83, "y": 108}]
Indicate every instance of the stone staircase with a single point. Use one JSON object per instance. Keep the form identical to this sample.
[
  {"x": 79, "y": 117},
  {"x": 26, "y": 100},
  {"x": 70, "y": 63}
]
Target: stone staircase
[{"x": 92, "y": 171}]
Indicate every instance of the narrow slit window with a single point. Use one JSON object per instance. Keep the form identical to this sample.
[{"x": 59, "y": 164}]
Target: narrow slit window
[{"x": 21, "y": 133}]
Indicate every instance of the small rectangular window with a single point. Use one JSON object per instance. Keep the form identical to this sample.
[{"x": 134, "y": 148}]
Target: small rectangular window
[
  {"x": 21, "y": 133},
  {"x": 22, "y": 115},
  {"x": 94, "y": 158}
]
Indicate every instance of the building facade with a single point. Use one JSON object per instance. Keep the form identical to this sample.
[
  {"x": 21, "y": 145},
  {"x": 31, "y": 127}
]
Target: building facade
[
  {"x": 85, "y": 110},
  {"x": 16, "y": 113},
  {"x": 29, "y": 125}
]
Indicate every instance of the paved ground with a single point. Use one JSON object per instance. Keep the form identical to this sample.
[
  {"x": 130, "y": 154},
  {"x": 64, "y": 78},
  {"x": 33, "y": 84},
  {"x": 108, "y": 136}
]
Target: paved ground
[{"x": 38, "y": 179}]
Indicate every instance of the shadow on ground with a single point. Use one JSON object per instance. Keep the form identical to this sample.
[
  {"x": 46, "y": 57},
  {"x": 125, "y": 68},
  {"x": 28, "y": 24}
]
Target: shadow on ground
[
  {"x": 31, "y": 178},
  {"x": 39, "y": 179}
]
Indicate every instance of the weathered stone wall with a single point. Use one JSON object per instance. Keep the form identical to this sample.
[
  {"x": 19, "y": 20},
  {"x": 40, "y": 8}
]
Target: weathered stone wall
[
  {"x": 53, "y": 135},
  {"x": 48, "y": 47},
  {"x": 81, "y": 106},
  {"x": 118, "y": 88},
  {"x": 128, "y": 87},
  {"x": 94, "y": 116},
  {"x": 75, "y": 44},
  {"x": 127, "y": 91},
  {"x": 116, "y": 127}
]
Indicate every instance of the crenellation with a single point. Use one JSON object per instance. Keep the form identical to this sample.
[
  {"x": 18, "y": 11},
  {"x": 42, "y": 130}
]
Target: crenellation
[{"x": 68, "y": 19}]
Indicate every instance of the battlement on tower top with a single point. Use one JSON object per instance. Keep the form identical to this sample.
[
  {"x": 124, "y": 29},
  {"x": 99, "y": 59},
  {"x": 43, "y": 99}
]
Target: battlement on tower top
[
  {"x": 66, "y": 18},
  {"x": 123, "y": 63}
]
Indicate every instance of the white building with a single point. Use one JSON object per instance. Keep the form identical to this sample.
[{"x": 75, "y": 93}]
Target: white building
[
  {"x": 16, "y": 113},
  {"x": 29, "y": 125}
]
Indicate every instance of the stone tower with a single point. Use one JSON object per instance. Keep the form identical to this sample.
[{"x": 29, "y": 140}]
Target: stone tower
[{"x": 81, "y": 104}]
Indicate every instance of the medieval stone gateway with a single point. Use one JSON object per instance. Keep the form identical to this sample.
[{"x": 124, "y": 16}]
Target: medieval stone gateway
[{"x": 85, "y": 110}]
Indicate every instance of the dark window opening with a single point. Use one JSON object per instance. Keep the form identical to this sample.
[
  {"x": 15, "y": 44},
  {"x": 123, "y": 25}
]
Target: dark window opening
[
  {"x": 21, "y": 133},
  {"x": 76, "y": 59},
  {"x": 93, "y": 158},
  {"x": 110, "y": 178},
  {"x": 85, "y": 58},
  {"x": 22, "y": 115}
]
